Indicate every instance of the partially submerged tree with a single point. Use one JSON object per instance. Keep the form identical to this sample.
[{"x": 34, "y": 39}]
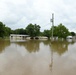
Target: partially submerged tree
[
  {"x": 2, "y": 30},
  {"x": 55, "y": 29},
  {"x": 72, "y": 33},
  {"x": 33, "y": 30},
  {"x": 62, "y": 31},
  {"x": 47, "y": 33},
  {"x": 19, "y": 31},
  {"x": 8, "y": 31}
]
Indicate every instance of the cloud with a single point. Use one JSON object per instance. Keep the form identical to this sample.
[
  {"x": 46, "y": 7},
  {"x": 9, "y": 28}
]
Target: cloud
[{"x": 18, "y": 14}]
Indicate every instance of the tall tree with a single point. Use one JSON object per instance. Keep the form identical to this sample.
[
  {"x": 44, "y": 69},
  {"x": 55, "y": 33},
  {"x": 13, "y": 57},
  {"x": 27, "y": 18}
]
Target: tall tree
[
  {"x": 72, "y": 33},
  {"x": 33, "y": 30},
  {"x": 8, "y": 31},
  {"x": 19, "y": 31},
  {"x": 62, "y": 31},
  {"x": 47, "y": 33},
  {"x": 30, "y": 30},
  {"x": 2, "y": 30},
  {"x": 36, "y": 30},
  {"x": 55, "y": 29}
]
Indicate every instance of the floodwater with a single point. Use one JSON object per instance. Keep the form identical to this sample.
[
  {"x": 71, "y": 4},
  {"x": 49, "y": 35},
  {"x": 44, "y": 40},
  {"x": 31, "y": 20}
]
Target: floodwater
[{"x": 37, "y": 57}]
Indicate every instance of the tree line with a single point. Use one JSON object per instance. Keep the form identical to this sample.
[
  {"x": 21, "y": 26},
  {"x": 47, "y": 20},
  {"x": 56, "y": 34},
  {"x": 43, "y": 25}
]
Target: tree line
[{"x": 33, "y": 30}]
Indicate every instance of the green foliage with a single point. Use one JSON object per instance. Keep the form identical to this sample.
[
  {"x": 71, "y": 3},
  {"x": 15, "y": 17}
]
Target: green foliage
[
  {"x": 55, "y": 29},
  {"x": 47, "y": 33},
  {"x": 60, "y": 31},
  {"x": 7, "y": 31},
  {"x": 72, "y": 33},
  {"x": 2, "y": 29},
  {"x": 19, "y": 31},
  {"x": 30, "y": 30},
  {"x": 36, "y": 30},
  {"x": 41, "y": 34},
  {"x": 33, "y": 30}
]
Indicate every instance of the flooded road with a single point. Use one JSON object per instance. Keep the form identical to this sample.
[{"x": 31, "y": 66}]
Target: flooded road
[{"x": 37, "y": 57}]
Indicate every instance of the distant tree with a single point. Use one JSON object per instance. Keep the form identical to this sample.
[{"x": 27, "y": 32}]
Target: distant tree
[
  {"x": 62, "y": 31},
  {"x": 72, "y": 33},
  {"x": 41, "y": 34},
  {"x": 2, "y": 30},
  {"x": 19, "y": 31},
  {"x": 8, "y": 31},
  {"x": 47, "y": 33},
  {"x": 55, "y": 31},
  {"x": 30, "y": 30},
  {"x": 12, "y": 32},
  {"x": 36, "y": 30},
  {"x": 33, "y": 30}
]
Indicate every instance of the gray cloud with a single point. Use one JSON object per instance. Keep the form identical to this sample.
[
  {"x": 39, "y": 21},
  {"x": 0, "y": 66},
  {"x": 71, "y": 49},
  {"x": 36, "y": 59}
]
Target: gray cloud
[{"x": 19, "y": 13}]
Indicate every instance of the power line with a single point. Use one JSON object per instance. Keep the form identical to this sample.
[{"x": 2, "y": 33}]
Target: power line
[
  {"x": 43, "y": 27},
  {"x": 52, "y": 20}
]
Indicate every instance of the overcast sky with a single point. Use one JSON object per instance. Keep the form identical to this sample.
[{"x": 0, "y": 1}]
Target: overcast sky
[{"x": 19, "y": 13}]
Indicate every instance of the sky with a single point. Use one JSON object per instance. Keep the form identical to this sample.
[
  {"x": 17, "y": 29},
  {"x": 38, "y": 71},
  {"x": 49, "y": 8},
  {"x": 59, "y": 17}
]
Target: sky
[{"x": 19, "y": 13}]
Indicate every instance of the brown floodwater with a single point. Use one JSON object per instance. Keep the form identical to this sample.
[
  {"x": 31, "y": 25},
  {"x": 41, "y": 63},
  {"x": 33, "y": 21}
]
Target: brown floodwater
[{"x": 37, "y": 57}]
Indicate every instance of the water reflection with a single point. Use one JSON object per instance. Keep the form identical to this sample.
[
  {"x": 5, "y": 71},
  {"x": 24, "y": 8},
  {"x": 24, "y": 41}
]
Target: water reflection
[
  {"x": 56, "y": 46},
  {"x": 59, "y": 46},
  {"x": 34, "y": 45},
  {"x": 38, "y": 56},
  {"x": 4, "y": 44},
  {"x": 30, "y": 45}
]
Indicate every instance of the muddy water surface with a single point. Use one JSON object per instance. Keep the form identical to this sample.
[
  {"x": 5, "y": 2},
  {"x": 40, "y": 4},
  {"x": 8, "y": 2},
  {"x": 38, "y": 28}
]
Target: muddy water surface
[{"x": 37, "y": 57}]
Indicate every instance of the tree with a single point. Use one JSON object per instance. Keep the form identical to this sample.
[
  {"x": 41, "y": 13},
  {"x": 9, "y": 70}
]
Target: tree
[
  {"x": 47, "y": 33},
  {"x": 8, "y": 31},
  {"x": 36, "y": 30},
  {"x": 33, "y": 30},
  {"x": 55, "y": 29},
  {"x": 2, "y": 30},
  {"x": 72, "y": 33},
  {"x": 19, "y": 31},
  {"x": 62, "y": 31}
]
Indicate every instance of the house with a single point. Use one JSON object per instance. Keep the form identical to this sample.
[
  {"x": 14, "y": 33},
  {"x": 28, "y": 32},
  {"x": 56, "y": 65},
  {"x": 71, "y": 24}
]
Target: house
[{"x": 69, "y": 37}]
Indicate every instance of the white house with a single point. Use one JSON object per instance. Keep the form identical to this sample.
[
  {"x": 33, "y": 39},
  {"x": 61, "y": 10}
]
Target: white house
[{"x": 69, "y": 37}]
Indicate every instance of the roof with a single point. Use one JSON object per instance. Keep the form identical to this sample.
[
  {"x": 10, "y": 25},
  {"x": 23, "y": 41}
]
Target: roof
[{"x": 18, "y": 35}]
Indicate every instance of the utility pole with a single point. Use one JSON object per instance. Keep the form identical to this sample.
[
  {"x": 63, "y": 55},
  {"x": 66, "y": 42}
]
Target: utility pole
[
  {"x": 52, "y": 20},
  {"x": 51, "y": 64}
]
